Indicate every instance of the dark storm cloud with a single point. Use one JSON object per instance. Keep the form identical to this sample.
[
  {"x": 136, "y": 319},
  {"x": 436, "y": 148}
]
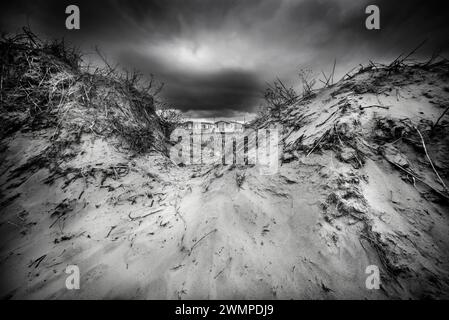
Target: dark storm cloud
[
  {"x": 215, "y": 56},
  {"x": 209, "y": 93}
]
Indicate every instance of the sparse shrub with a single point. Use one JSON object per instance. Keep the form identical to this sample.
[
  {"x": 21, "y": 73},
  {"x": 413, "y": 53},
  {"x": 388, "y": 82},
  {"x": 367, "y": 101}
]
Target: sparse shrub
[
  {"x": 170, "y": 119},
  {"x": 307, "y": 81}
]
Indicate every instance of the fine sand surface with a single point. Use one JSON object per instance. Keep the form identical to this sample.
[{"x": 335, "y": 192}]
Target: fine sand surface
[{"x": 207, "y": 239}]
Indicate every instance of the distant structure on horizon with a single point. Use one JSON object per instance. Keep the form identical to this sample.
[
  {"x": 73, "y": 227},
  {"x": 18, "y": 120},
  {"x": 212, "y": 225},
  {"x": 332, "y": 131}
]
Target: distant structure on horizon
[{"x": 217, "y": 126}]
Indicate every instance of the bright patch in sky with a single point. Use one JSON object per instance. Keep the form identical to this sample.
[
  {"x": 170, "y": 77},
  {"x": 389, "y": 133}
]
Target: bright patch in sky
[{"x": 205, "y": 56}]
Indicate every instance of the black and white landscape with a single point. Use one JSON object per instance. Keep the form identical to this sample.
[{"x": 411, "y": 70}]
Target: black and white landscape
[{"x": 89, "y": 181}]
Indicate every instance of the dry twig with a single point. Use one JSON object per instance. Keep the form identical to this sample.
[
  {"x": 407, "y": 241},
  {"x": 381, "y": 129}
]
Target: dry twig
[{"x": 430, "y": 160}]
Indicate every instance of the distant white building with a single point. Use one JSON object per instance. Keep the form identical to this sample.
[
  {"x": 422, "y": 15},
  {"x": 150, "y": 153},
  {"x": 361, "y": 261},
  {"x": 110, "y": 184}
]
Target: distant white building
[
  {"x": 198, "y": 125},
  {"x": 218, "y": 126},
  {"x": 228, "y": 126}
]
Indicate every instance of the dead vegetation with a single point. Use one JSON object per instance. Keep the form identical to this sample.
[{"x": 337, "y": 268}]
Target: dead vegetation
[
  {"x": 170, "y": 119},
  {"x": 45, "y": 86},
  {"x": 278, "y": 95}
]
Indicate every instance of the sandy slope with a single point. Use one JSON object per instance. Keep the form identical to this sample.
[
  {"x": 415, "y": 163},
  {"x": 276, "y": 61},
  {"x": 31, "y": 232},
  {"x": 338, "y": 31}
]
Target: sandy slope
[
  {"x": 263, "y": 240},
  {"x": 140, "y": 227}
]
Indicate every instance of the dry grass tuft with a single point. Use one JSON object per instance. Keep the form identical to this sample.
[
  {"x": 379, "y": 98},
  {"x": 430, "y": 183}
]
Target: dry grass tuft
[{"x": 45, "y": 86}]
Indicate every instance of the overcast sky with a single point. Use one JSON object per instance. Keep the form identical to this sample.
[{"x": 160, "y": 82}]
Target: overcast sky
[{"x": 215, "y": 57}]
